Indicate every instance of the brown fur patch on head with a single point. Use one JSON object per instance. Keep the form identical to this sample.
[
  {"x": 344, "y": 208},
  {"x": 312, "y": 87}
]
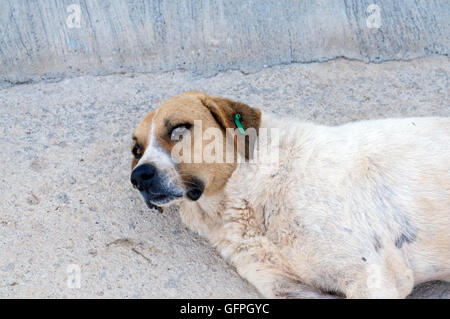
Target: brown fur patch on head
[{"x": 185, "y": 108}]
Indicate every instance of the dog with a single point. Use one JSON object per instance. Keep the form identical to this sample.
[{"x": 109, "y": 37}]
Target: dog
[{"x": 360, "y": 210}]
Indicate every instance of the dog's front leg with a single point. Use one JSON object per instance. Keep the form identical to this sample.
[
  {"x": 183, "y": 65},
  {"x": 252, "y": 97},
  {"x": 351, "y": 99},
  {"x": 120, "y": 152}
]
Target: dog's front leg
[{"x": 260, "y": 263}]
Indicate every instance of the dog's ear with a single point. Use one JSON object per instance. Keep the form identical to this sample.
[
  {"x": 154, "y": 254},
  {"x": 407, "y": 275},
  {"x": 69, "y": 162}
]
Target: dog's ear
[{"x": 223, "y": 110}]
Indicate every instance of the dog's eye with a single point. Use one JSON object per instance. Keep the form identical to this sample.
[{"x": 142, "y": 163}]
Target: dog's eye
[
  {"x": 137, "y": 151},
  {"x": 177, "y": 133}
]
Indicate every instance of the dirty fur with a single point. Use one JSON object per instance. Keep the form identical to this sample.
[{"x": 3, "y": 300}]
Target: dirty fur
[{"x": 360, "y": 210}]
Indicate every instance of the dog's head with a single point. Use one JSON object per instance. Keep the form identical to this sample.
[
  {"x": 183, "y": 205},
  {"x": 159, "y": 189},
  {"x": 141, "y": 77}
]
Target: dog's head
[{"x": 163, "y": 180}]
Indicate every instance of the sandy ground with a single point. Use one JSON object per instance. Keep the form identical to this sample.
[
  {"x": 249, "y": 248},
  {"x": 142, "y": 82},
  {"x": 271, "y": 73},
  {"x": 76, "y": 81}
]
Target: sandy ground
[{"x": 66, "y": 200}]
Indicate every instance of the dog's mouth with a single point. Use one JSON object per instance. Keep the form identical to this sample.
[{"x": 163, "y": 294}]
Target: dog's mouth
[
  {"x": 194, "y": 188},
  {"x": 157, "y": 201},
  {"x": 158, "y": 191}
]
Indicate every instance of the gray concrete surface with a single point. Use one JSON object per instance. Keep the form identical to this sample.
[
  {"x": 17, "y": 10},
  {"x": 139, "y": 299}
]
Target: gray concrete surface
[
  {"x": 41, "y": 39},
  {"x": 64, "y": 177}
]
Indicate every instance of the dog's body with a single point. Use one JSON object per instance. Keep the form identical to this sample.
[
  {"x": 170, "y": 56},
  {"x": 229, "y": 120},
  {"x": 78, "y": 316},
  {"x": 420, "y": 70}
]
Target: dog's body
[{"x": 361, "y": 210}]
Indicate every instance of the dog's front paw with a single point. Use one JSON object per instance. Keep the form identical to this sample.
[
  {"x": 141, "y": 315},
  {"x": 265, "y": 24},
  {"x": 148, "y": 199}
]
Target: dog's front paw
[{"x": 297, "y": 290}]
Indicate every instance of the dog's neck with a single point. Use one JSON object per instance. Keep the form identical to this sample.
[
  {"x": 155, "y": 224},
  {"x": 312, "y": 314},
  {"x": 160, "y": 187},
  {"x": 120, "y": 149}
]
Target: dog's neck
[{"x": 204, "y": 215}]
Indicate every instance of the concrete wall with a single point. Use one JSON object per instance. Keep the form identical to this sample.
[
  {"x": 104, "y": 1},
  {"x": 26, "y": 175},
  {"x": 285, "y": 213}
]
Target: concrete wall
[{"x": 41, "y": 39}]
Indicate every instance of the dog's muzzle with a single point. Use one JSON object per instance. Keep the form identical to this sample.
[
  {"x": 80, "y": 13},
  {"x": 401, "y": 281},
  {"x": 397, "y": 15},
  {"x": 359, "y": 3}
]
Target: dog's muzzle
[{"x": 151, "y": 185}]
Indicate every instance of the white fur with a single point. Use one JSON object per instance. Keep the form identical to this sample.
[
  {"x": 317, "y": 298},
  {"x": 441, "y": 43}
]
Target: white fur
[
  {"x": 153, "y": 152},
  {"x": 155, "y": 155},
  {"x": 362, "y": 209}
]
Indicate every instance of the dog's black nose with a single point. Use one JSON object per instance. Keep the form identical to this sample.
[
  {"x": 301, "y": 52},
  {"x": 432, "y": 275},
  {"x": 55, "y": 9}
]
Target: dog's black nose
[{"x": 142, "y": 176}]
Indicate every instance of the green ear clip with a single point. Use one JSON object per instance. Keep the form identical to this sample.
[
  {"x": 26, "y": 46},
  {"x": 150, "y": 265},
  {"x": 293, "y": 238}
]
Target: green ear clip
[{"x": 238, "y": 123}]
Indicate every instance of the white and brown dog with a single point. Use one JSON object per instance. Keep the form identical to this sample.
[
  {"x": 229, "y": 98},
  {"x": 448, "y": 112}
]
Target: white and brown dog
[{"x": 360, "y": 210}]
